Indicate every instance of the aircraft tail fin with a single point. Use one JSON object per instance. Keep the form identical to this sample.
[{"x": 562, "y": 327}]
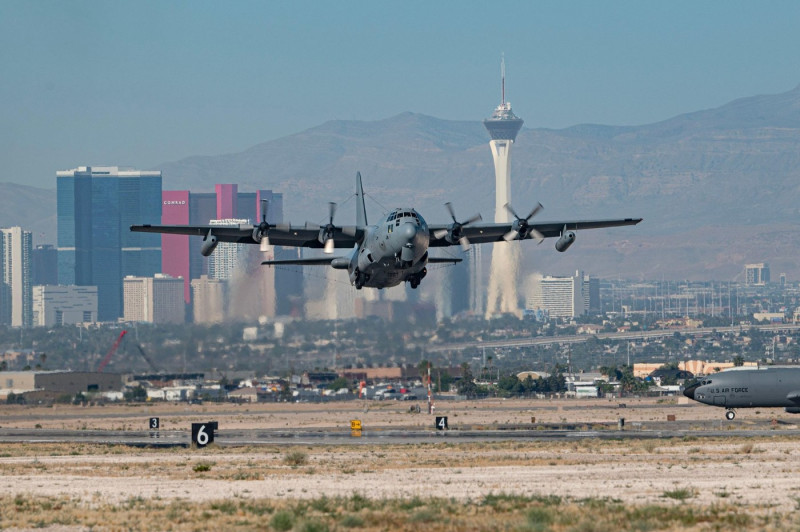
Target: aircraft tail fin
[{"x": 361, "y": 211}]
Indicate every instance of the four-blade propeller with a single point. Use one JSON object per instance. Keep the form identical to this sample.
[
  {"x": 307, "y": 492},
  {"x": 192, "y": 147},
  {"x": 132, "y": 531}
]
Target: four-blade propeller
[
  {"x": 520, "y": 228},
  {"x": 453, "y": 233},
  {"x": 327, "y": 231},
  {"x": 261, "y": 232}
]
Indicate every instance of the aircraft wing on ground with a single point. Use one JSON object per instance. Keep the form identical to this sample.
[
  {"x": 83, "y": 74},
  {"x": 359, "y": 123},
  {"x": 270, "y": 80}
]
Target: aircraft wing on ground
[
  {"x": 483, "y": 233},
  {"x": 794, "y": 396},
  {"x": 443, "y": 260},
  {"x": 306, "y": 237}
]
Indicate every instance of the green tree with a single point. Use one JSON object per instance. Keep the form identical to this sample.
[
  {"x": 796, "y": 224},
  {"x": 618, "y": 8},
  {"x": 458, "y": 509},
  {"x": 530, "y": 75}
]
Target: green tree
[
  {"x": 629, "y": 383},
  {"x": 286, "y": 391},
  {"x": 557, "y": 382},
  {"x": 339, "y": 383},
  {"x": 422, "y": 367},
  {"x": 443, "y": 380},
  {"x": 467, "y": 385},
  {"x": 137, "y": 394},
  {"x": 15, "y": 399},
  {"x": 510, "y": 385},
  {"x": 612, "y": 372},
  {"x": 605, "y": 388},
  {"x": 528, "y": 384}
]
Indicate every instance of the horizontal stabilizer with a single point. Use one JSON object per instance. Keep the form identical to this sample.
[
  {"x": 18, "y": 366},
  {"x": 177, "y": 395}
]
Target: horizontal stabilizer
[
  {"x": 316, "y": 261},
  {"x": 442, "y": 260},
  {"x": 338, "y": 263}
]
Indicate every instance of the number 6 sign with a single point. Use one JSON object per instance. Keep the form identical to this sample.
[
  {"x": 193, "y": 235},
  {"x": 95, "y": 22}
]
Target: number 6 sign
[{"x": 202, "y": 434}]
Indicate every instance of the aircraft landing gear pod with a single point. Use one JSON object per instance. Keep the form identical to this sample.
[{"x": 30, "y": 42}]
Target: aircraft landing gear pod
[{"x": 730, "y": 414}]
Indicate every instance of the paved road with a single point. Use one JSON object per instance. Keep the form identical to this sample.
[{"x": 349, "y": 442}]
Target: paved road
[{"x": 578, "y": 338}]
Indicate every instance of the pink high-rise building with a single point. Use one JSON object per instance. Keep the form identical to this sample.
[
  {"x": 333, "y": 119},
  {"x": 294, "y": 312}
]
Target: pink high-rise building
[
  {"x": 181, "y": 253},
  {"x": 226, "y": 201},
  {"x": 175, "y": 248}
]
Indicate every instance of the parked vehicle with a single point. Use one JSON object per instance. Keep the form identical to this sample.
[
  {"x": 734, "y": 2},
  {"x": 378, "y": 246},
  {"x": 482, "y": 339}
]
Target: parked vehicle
[{"x": 389, "y": 393}]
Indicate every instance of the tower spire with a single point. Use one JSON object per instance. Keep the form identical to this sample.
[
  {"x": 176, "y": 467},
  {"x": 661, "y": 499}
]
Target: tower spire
[{"x": 503, "y": 78}]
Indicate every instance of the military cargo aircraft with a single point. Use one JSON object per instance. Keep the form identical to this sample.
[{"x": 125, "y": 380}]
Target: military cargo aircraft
[
  {"x": 393, "y": 251},
  {"x": 775, "y": 386}
]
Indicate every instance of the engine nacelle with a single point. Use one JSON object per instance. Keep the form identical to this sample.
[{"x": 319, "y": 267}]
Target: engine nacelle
[
  {"x": 365, "y": 259},
  {"x": 209, "y": 243},
  {"x": 566, "y": 240},
  {"x": 792, "y": 409},
  {"x": 453, "y": 234}
]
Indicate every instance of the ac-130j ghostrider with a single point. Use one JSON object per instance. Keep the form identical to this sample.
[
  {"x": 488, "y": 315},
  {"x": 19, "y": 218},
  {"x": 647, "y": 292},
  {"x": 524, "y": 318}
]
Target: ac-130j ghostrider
[{"x": 391, "y": 252}]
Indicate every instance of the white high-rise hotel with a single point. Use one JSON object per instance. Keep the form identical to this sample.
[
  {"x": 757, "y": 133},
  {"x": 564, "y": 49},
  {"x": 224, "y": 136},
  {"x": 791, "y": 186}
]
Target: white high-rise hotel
[
  {"x": 16, "y": 293},
  {"x": 228, "y": 257},
  {"x": 561, "y": 297},
  {"x": 503, "y": 127}
]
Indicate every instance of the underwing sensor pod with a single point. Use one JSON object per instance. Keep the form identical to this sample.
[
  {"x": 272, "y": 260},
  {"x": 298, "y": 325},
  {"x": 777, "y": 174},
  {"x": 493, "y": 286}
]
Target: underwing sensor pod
[
  {"x": 209, "y": 244},
  {"x": 566, "y": 240}
]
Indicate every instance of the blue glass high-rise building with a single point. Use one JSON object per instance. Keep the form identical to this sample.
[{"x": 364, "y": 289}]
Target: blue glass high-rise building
[{"x": 96, "y": 206}]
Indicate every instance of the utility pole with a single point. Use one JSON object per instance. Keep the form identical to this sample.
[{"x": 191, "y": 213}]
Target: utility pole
[{"x": 430, "y": 393}]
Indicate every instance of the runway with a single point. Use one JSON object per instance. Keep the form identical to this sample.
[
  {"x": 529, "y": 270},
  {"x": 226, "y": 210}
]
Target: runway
[{"x": 394, "y": 435}]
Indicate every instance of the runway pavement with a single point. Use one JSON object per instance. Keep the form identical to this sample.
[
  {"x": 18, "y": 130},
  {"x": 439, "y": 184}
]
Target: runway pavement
[{"x": 394, "y": 435}]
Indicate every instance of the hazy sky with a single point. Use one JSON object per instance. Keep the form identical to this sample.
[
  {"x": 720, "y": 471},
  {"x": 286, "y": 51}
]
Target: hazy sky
[{"x": 140, "y": 83}]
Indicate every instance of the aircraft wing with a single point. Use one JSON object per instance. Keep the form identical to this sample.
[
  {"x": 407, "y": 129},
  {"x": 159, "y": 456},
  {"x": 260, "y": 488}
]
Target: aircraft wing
[
  {"x": 288, "y": 236},
  {"x": 483, "y": 233},
  {"x": 793, "y": 396},
  {"x": 342, "y": 262},
  {"x": 313, "y": 261}
]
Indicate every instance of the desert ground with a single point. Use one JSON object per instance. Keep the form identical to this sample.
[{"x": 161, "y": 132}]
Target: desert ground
[{"x": 736, "y": 482}]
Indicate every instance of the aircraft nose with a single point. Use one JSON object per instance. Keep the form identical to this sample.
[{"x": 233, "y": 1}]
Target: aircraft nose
[
  {"x": 409, "y": 231},
  {"x": 689, "y": 392}
]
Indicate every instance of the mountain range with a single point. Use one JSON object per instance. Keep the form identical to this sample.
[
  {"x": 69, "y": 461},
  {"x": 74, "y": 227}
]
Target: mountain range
[{"x": 717, "y": 188}]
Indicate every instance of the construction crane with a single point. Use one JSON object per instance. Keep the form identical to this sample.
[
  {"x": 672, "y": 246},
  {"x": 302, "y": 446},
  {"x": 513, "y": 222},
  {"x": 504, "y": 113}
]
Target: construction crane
[
  {"x": 147, "y": 358},
  {"x": 110, "y": 353}
]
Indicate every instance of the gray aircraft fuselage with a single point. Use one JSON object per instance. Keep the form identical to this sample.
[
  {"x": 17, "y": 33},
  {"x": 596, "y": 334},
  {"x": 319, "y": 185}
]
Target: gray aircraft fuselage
[
  {"x": 393, "y": 251},
  {"x": 750, "y": 388}
]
